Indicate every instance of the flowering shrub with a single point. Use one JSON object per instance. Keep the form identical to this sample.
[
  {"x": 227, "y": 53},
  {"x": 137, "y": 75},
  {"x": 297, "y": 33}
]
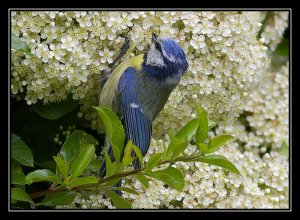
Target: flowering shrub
[{"x": 229, "y": 73}]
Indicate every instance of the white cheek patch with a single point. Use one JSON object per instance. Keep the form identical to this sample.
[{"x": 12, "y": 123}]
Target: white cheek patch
[{"x": 154, "y": 57}]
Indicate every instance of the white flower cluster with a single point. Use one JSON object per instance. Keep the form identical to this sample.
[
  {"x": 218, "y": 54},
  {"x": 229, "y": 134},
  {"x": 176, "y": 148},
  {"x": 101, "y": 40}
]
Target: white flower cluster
[
  {"x": 269, "y": 108},
  {"x": 70, "y": 49},
  {"x": 276, "y": 23},
  {"x": 265, "y": 112},
  {"x": 226, "y": 62}
]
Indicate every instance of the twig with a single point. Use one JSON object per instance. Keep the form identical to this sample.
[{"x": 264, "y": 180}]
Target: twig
[{"x": 107, "y": 179}]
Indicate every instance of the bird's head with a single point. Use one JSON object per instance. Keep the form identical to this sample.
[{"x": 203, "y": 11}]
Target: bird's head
[{"x": 166, "y": 54}]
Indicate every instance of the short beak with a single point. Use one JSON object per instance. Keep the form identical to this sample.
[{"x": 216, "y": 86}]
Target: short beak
[{"x": 154, "y": 37}]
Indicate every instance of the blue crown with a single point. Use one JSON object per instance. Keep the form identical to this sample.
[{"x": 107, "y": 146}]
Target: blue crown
[{"x": 172, "y": 51}]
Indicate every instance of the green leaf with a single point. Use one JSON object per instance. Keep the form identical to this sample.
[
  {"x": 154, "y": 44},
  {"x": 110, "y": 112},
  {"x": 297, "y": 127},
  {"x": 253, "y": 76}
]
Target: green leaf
[
  {"x": 203, "y": 148},
  {"x": 165, "y": 150},
  {"x": 284, "y": 149},
  {"x": 111, "y": 182},
  {"x": 16, "y": 167},
  {"x": 95, "y": 165},
  {"x": 17, "y": 175},
  {"x": 219, "y": 160},
  {"x": 17, "y": 44},
  {"x": 202, "y": 129},
  {"x": 127, "y": 158},
  {"x": 189, "y": 130},
  {"x": 118, "y": 201},
  {"x": 42, "y": 175},
  {"x": 114, "y": 130},
  {"x": 83, "y": 160},
  {"x": 154, "y": 160},
  {"x": 176, "y": 146},
  {"x": 138, "y": 153},
  {"x": 58, "y": 198},
  {"x": 215, "y": 143},
  {"x": 18, "y": 178},
  {"x": 126, "y": 189},
  {"x": 83, "y": 181},
  {"x": 55, "y": 110},
  {"x": 74, "y": 144},
  {"x": 18, "y": 194},
  {"x": 20, "y": 151},
  {"x": 62, "y": 166},
  {"x": 171, "y": 176},
  {"x": 143, "y": 180},
  {"x": 283, "y": 48},
  {"x": 109, "y": 166},
  {"x": 211, "y": 124}
]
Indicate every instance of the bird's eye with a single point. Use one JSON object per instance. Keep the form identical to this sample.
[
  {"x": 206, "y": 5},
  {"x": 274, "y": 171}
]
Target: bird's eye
[{"x": 157, "y": 46}]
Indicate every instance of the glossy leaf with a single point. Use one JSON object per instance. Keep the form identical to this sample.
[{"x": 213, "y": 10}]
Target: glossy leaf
[
  {"x": 143, "y": 180},
  {"x": 189, "y": 130},
  {"x": 74, "y": 144},
  {"x": 111, "y": 182},
  {"x": 111, "y": 167},
  {"x": 114, "y": 130},
  {"x": 16, "y": 167},
  {"x": 171, "y": 176},
  {"x": 18, "y": 194},
  {"x": 83, "y": 160},
  {"x": 203, "y": 148},
  {"x": 216, "y": 142},
  {"x": 127, "y": 157},
  {"x": 165, "y": 150},
  {"x": 62, "y": 166},
  {"x": 20, "y": 151},
  {"x": 176, "y": 146},
  {"x": 211, "y": 124},
  {"x": 17, "y": 175},
  {"x": 138, "y": 153},
  {"x": 154, "y": 160},
  {"x": 219, "y": 161},
  {"x": 18, "y": 178},
  {"x": 42, "y": 175},
  {"x": 83, "y": 181},
  {"x": 58, "y": 198},
  {"x": 202, "y": 129},
  {"x": 118, "y": 201}
]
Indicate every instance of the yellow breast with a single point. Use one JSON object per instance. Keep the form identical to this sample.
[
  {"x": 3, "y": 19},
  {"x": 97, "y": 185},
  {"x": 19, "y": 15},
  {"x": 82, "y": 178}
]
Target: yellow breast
[{"x": 109, "y": 91}]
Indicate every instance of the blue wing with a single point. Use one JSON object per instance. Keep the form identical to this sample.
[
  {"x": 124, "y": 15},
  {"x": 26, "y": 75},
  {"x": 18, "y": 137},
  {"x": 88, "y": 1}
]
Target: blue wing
[{"x": 138, "y": 126}]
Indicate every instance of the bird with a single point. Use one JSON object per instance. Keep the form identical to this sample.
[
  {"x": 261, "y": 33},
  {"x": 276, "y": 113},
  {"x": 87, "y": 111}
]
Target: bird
[{"x": 139, "y": 87}]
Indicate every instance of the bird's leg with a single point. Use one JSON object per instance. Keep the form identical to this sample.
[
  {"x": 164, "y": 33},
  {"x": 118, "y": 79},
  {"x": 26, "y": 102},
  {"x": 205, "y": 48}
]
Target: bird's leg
[{"x": 124, "y": 49}]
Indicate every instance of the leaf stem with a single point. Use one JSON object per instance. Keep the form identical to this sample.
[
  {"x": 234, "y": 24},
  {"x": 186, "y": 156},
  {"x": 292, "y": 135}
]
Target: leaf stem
[
  {"x": 107, "y": 179},
  {"x": 101, "y": 181}
]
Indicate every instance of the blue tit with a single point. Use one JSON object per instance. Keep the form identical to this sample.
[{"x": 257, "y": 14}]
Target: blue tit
[{"x": 139, "y": 87}]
